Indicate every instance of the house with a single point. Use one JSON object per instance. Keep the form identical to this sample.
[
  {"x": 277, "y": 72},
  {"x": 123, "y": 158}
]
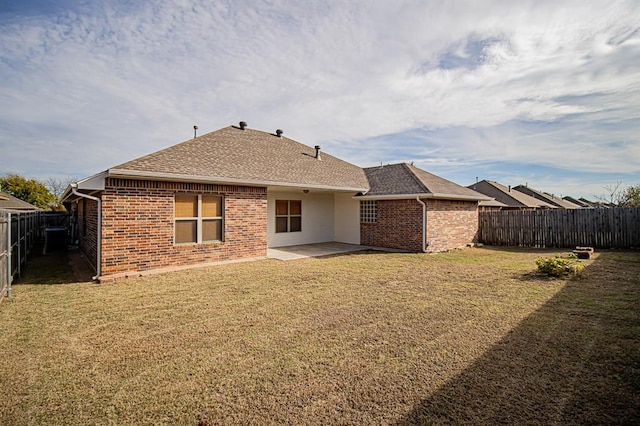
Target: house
[
  {"x": 408, "y": 208},
  {"x": 576, "y": 202},
  {"x": 512, "y": 199},
  {"x": 595, "y": 204},
  {"x": 232, "y": 193},
  {"x": 547, "y": 198},
  {"x": 9, "y": 202},
  {"x": 491, "y": 205}
]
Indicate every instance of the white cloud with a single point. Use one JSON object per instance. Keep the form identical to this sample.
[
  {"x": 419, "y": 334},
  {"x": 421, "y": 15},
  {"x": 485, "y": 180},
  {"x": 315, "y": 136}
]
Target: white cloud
[{"x": 104, "y": 83}]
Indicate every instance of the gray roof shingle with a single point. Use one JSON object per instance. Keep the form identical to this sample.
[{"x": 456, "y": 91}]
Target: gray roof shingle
[
  {"x": 232, "y": 154},
  {"x": 9, "y": 202},
  {"x": 508, "y": 196},
  {"x": 406, "y": 179},
  {"x": 547, "y": 198}
]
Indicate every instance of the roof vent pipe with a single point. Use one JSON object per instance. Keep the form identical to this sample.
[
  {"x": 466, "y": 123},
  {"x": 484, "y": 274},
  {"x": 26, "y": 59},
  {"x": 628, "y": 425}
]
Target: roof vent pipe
[
  {"x": 279, "y": 133},
  {"x": 195, "y": 131},
  {"x": 509, "y": 188},
  {"x": 317, "y": 148},
  {"x": 243, "y": 124}
]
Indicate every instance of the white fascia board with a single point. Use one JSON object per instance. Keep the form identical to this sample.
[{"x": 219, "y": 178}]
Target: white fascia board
[
  {"x": 433, "y": 196},
  {"x": 136, "y": 174},
  {"x": 91, "y": 183}
]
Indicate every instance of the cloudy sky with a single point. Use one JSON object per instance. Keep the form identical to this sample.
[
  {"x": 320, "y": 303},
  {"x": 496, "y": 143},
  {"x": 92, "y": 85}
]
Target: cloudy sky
[{"x": 539, "y": 92}]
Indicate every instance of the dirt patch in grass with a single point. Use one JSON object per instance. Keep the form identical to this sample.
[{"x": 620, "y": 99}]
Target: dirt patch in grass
[{"x": 370, "y": 338}]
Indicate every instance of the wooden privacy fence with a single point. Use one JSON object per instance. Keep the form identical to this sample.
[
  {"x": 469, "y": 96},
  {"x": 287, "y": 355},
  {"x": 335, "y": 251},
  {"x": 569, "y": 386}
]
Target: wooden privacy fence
[
  {"x": 617, "y": 227},
  {"x": 18, "y": 233}
]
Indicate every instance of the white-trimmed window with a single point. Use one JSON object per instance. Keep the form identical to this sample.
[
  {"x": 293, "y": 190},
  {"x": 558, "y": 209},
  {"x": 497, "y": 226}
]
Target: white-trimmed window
[
  {"x": 368, "y": 211},
  {"x": 198, "y": 218},
  {"x": 288, "y": 215}
]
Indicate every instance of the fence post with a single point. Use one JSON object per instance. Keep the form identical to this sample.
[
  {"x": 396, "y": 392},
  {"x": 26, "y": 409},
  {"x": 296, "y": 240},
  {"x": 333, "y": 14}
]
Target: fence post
[{"x": 9, "y": 255}]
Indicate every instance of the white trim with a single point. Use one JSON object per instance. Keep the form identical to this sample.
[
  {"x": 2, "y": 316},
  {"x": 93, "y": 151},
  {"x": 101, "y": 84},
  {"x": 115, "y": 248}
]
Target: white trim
[
  {"x": 435, "y": 196},
  {"x": 91, "y": 183}
]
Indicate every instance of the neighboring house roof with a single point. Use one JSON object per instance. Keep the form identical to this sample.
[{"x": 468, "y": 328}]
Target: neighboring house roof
[
  {"x": 491, "y": 203},
  {"x": 402, "y": 180},
  {"x": 245, "y": 156},
  {"x": 9, "y": 202},
  {"x": 576, "y": 201},
  {"x": 508, "y": 196},
  {"x": 547, "y": 198},
  {"x": 596, "y": 204}
]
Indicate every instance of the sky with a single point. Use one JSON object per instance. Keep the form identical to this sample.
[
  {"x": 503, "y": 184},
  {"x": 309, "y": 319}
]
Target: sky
[{"x": 543, "y": 93}]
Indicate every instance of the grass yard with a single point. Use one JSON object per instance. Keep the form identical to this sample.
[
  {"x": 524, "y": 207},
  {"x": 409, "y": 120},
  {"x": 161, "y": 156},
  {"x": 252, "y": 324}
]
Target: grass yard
[{"x": 472, "y": 336}]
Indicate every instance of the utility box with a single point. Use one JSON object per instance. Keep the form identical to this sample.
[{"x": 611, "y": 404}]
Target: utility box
[{"x": 55, "y": 239}]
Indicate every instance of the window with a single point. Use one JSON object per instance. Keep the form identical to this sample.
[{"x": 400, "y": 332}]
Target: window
[
  {"x": 198, "y": 218},
  {"x": 368, "y": 211},
  {"x": 288, "y": 215}
]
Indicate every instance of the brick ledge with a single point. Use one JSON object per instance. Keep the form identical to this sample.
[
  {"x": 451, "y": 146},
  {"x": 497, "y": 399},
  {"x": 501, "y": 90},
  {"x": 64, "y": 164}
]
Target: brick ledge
[{"x": 156, "y": 271}]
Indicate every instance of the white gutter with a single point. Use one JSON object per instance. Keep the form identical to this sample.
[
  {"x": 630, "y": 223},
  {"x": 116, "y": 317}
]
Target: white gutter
[
  {"x": 99, "y": 230},
  {"x": 435, "y": 196},
  {"x": 424, "y": 224}
]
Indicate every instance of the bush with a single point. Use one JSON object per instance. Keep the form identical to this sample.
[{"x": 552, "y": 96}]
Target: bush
[{"x": 558, "y": 266}]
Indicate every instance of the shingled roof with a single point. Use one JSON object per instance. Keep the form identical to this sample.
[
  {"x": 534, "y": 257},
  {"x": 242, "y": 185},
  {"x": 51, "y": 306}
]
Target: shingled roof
[
  {"x": 245, "y": 156},
  {"x": 508, "y": 196},
  {"x": 9, "y": 202},
  {"x": 398, "y": 180},
  {"x": 547, "y": 198}
]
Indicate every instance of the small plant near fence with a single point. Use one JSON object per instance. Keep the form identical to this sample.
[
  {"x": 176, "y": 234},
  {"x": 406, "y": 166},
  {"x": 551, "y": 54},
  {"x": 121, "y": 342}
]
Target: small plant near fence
[{"x": 558, "y": 266}]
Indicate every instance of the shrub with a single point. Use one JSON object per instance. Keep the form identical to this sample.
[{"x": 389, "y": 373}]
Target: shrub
[{"x": 558, "y": 266}]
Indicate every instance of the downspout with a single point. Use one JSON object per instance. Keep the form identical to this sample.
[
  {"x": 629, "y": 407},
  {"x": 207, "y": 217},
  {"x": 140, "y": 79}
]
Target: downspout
[
  {"x": 424, "y": 224},
  {"x": 99, "y": 230}
]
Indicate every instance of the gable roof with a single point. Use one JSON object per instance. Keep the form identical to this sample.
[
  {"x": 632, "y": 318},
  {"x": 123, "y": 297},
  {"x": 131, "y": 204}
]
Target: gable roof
[
  {"x": 244, "y": 156},
  {"x": 403, "y": 180},
  {"x": 9, "y": 202},
  {"x": 575, "y": 201},
  {"x": 547, "y": 198},
  {"x": 508, "y": 196},
  {"x": 491, "y": 203}
]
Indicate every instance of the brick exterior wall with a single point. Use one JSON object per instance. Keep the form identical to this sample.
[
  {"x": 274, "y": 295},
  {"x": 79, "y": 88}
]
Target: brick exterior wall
[
  {"x": 88, "y": 230},
  {"x": 450, "y": 224},
  {"x": 138, "y": 225},
  {"x": 398, "y": 226}
]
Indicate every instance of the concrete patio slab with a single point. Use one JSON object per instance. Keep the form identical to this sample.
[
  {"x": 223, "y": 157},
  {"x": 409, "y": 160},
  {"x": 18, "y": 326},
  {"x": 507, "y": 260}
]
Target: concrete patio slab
[{"x": 313, "y": 250}]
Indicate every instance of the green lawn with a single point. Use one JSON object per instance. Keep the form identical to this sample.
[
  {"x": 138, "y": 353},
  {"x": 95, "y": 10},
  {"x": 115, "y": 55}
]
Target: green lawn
[{"x": 471, "y": 336}]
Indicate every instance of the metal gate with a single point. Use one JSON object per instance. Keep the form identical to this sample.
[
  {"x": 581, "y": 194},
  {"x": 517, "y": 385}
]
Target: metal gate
[{"x": 18, "y": 233}]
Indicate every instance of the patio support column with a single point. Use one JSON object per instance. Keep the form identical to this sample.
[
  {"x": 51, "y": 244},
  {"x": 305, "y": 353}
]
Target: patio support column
[{"x": 424, "y": 224}]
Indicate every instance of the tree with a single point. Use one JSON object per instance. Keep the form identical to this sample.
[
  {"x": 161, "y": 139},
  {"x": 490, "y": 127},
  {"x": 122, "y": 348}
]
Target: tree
[
  {"x": 29, "y": 190},
  {"x": 613, "y": 193},
  {"x": 630, "y": 197},
  {"x": 57, "y": 187}
]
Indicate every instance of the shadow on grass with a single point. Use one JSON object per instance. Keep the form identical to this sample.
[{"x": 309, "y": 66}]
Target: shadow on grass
[
  {"x": 574, "y": 361},
  {"x": 55, "y": 268}
]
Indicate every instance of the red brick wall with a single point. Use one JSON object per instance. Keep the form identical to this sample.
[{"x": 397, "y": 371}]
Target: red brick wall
[
  {"x": 450, "y": 224},
  {"x": 88, "y": 229},
  {"x": 398, "y": 226},
  {"x": 138, "y": 225}
]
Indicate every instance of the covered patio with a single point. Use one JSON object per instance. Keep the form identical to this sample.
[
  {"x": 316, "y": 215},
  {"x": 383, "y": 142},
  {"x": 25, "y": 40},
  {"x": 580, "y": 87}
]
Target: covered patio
[{"x": 313, "y": 250}]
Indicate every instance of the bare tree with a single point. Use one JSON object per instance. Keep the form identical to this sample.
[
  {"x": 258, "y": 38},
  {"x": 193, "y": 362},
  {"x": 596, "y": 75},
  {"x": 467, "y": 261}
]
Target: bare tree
[
  {"x": 613, "y": 193},
  {"x": 57, "y": 186}
]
